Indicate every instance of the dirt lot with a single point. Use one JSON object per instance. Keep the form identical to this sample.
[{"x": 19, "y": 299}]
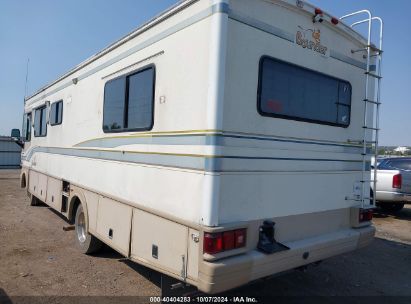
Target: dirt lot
[{"x": 37, "y": 259}]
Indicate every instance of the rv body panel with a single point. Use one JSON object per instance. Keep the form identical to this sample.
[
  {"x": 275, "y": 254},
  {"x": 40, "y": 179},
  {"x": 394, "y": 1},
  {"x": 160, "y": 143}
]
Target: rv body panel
[
  {"x": 164, "y": 244},
  {"x": 285, "y": 167}
]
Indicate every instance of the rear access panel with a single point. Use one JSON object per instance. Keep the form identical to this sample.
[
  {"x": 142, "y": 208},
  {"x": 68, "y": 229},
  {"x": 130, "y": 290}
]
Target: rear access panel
[{"x": 159, "y": 242}]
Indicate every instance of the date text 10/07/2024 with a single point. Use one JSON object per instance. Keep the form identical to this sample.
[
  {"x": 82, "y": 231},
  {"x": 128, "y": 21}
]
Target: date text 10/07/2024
[{"x": 203, "y": 299}]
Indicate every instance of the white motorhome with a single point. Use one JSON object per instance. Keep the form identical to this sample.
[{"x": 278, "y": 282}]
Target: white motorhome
[{"x": 219, "y": 143}]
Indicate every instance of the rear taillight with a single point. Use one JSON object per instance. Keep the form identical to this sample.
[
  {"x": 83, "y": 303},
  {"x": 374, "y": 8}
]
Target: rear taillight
[
  {"x": 240, "y": 238},
  {"x": 224, "y": 241},
  {"x": 213, "y": 242},
  {"x": 365, "y": 215},
  {"x": 397, "y": 181}
]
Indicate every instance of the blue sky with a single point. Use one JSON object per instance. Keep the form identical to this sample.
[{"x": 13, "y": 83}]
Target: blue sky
[{"x": 57, "y": 35}]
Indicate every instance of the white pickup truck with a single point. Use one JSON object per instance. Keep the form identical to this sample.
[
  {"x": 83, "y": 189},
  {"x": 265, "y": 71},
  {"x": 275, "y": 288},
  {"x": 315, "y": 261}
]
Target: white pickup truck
[{"x": 393, "y": 183}]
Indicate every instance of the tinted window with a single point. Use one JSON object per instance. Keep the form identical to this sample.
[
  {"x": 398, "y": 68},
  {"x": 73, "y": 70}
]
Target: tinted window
[
  {"x": 114, "y": 103},
  {"x": 140, "y": 100},
  {"x": 56, "y": 113},
  {"x": 383, "y": 165},
  {"x": 27, "y": 127},
  {"x": 292, "y": 92},
  {"x": 128, "y": 102},
  {"x": 402, "y": 164},
  {"x": 40, "y": 122}
]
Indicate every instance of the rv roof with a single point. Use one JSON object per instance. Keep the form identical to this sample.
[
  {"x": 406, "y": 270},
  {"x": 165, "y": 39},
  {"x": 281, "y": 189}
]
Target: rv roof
[{"x": 180, "y": 5}]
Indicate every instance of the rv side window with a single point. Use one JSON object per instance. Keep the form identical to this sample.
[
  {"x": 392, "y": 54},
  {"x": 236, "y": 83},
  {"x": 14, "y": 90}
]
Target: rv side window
[
  {"x": 292, "y": 92},
  {"x": 129, "y": 102},
  {"x": 40, "y": 122},
  {"x": 27, "y": 127},
  {"x": 140, "y": 100},
  {"x": 56, "y": 113},
  {"x": 114, "y": 103}
]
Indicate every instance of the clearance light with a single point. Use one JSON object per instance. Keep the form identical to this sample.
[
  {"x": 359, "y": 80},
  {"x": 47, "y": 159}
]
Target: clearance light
[
  {"x": 365, "y": 215},
  {"x": 318, "y": 11},
  {"x": 334, "y": 21},
  {"x": 397, "y": 181},
  {"x": 318, "y": 17},
  {"x": 224, "y": 241}
]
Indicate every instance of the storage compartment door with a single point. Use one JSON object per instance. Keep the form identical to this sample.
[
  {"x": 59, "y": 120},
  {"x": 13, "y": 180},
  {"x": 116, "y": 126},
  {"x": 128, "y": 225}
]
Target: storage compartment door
[
  {"x": 54, "y": 194},
  {"x": 114, "y": 224},
  {"x": 41, "y": 190},
  {"x": 33, "y": 181},
  {"x": 159, "y": 242}
]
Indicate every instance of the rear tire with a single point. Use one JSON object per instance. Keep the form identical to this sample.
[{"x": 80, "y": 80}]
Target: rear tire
[
  {"x": 86, "y": 242},
  {"x": 391, "y": 207}
]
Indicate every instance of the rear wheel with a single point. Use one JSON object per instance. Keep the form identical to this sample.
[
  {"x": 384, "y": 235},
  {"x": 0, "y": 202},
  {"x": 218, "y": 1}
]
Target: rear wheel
[
  {"x": 391, "y": 207},
  {"x": 86, "y": 242}
]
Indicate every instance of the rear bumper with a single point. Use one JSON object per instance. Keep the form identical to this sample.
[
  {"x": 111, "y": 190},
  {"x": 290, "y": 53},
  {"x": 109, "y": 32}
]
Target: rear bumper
[
  {"x": 219, "y": 276},
  {"x": 393, "y": 197}
]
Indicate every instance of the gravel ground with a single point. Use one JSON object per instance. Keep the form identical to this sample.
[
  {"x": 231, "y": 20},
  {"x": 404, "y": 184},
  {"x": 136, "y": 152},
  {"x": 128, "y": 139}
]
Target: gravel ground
[{"x": 37, "y": 259}]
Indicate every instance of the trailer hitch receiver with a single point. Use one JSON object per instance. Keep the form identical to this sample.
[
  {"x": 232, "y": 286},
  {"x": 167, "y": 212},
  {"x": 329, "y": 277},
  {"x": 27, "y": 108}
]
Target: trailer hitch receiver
[{"x": 266, "y": 242}]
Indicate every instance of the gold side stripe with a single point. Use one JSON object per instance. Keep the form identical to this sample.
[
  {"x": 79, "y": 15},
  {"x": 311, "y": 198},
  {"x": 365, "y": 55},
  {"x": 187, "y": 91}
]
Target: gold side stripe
[{"x": 215, "y": 132}]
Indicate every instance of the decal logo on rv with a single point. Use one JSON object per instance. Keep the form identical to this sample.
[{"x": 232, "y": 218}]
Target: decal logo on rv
[{"x": 310, "y": 39}]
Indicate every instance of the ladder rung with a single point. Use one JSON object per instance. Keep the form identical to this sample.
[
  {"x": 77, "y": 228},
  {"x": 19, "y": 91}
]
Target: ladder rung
[
  {"x": 374, "y": 48},
  {"x": 372, "y": 101},
  {"x": 370, "y": 128},
  {"x": 373, "y": 75}
]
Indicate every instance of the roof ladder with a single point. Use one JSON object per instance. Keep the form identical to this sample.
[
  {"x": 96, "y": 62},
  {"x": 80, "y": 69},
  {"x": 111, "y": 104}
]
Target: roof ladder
[{"x": 371, "y": 106}]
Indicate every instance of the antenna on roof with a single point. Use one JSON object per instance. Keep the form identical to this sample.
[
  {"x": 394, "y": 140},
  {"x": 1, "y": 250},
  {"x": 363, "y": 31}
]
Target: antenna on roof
[{"x": 27, "y": 79}]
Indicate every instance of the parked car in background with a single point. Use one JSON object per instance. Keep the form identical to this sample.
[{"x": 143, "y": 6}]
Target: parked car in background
[{"x": 393, "y": 183}]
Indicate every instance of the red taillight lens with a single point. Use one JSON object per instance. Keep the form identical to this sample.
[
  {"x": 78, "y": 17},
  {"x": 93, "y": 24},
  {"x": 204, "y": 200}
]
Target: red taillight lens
[
  {"x": 334, "y": 21},
  {"x": 213, "y": 242},
  {"x": 228, "y": 240},
  {"x": 397, "y": 181},
  {"x": 240, "y": 238},
  {"x": 365, "y": 215},
  {"x": 318, "y": 11}
]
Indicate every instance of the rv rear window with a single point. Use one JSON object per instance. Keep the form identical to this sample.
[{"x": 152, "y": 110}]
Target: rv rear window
[
  {"x": 292, "y": 92},
  {"x": 56, "y": 113},
  {"x": 40, "y": 122},
  {"x": 129, "y": 102}
]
